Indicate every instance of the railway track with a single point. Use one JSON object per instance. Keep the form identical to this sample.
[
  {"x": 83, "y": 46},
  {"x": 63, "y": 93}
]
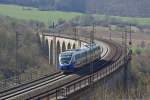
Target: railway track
[
  {"x": 27, "y": 88},
  {"x": 84, "y": 82},
  {"x": 116, "y": 53},
  {"x": 5, "y": 94},
  {"x": 30, "y": 86}
]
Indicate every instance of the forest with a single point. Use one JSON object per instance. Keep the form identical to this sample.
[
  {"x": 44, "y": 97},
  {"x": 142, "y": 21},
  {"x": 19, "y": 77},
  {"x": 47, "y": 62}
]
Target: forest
[{"x": 18, "y": 52}]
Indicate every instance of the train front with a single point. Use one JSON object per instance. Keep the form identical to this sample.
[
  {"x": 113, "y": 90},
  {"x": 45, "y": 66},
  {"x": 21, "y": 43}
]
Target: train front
[{"x": 65, "y": 59}]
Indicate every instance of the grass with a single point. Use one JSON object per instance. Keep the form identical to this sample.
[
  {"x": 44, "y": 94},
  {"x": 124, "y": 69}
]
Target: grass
[
  {"x": 49, "y": 16},
  {"x": 1, "y": 76},
  {"x": 139, "y": 50},
  {"x": 34, "y": 14},
  {"x": 132, "y": 20}
]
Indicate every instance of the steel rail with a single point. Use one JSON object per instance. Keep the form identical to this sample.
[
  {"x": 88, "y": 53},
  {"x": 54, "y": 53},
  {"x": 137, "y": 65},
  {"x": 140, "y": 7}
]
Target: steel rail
[
  {"x": 26, "y": 89},
  {"x": 52, "y": 92},
  {"x": 14, "y": 89},
  {"x": 29, "y": 84},
  {"x": 60, "y": 78},
  {"x": 86, "y": 81}
]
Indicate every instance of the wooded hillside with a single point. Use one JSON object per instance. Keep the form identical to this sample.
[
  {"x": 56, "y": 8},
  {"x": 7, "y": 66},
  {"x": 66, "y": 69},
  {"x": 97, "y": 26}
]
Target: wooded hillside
[{"x": 17, "y": 57}]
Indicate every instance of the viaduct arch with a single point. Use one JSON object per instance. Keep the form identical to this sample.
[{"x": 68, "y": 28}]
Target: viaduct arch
[{"x": 53, "y": 45}]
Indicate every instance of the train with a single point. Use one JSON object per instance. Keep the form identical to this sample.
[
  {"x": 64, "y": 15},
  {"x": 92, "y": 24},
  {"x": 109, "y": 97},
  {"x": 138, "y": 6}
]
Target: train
[{"x": 72, "y": 59}]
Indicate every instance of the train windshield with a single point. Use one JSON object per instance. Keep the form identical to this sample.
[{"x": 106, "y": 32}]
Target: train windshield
[{"x": 65, "y": 59}]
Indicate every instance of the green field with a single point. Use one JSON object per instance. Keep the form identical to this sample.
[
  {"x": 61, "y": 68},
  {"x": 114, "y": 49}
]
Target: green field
[
  {"x": 49, "y": 16},
  {"x": 132, "y": 20},
  {"x": 139, "y": 50},
  {"x": 34, "y": 14}
]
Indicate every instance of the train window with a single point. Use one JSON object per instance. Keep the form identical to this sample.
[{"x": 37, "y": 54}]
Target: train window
[
  {"x": 83, "y": 54},
  {"x": 95, "y": 49},
  {"x": 65, "y": 60},
  {"x": 77, "y": 56}
]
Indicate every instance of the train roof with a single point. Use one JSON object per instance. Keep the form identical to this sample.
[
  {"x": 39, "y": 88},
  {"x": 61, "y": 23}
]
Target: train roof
[
  {"x": 79, "y": 50},
  {"x": 72, "y": 51},
  {"x": 89, "y": 45}
]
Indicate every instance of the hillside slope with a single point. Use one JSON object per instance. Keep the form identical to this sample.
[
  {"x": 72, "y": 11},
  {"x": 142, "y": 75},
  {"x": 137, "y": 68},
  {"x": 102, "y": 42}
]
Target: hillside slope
[{"x": 138, "y": 8}]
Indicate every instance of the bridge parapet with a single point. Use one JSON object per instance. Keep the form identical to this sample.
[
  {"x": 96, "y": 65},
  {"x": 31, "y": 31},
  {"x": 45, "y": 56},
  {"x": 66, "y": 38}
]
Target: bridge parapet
[
  {"x": 66, "y": 90},
  {"x": 52, "y": 40}
]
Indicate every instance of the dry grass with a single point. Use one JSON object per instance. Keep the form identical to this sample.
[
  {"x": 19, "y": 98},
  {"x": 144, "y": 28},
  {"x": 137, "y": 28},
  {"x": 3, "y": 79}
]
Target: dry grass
[{"x": 137, "y": 36}]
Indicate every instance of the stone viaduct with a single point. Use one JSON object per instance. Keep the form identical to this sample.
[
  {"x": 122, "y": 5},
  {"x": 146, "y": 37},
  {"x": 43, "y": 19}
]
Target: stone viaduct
[{"x": 55, "y": 44}]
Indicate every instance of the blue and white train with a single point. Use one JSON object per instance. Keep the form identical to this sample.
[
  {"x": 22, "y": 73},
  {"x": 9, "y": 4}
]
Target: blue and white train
[{"x": 75, "y": 58}]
